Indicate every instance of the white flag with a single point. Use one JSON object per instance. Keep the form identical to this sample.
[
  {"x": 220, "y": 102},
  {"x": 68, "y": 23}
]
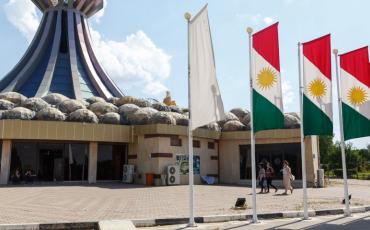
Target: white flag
[{"x": 206, "y": 103}]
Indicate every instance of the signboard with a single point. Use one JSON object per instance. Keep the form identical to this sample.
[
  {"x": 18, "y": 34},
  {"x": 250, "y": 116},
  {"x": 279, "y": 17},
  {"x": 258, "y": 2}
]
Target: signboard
[{"x": 182, "y": 160}]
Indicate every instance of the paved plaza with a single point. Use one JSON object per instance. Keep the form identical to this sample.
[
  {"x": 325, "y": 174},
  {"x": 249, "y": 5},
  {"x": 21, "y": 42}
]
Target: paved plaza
[{"x": 70, "y": 203}]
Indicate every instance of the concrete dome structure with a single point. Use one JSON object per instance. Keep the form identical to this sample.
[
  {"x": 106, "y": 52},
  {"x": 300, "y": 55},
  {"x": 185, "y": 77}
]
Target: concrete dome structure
[{"x": 61, "y": 59}]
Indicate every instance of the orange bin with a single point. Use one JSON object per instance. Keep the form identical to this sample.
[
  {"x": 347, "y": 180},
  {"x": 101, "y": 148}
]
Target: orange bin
[{"x": 149, "y": 178}]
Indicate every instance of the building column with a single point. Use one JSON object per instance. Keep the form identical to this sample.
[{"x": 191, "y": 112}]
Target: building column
[
  {"x": 5, "y": 161},
  {"x": 93, "y": 161}
]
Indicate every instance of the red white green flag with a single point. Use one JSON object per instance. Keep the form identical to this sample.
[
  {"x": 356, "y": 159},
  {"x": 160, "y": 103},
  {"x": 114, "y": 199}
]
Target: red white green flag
[
  {"x": 267, "y": 94},
  {"x": 317, "y": 97},
  {"x": 355, "y": 83}
]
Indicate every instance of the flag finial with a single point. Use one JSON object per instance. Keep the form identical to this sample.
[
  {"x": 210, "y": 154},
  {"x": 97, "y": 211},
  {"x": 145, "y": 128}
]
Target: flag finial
[
  {"x": 187, "y": 16},
  {"x": 250, "y": 30},
  {"x": 335, "y": 51}
]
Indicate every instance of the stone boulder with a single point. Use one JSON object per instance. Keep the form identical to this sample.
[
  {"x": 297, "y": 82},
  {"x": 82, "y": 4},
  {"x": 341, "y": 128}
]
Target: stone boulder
[
  {"x": 6, "y": 105},
  {"x": 181, "y": 119},
  {"x": 233, "y": 125},
  {"x": 14, "y": 97},
  {"x": 35, "y": 104},
  {"x": 83, "y": 115},
  {"x": 246, "y": 120},
  {"x": 126, "y": 110},
  {"x": 291, "y": 122},
  {"x": 113, "y": 100},
  {"x": 54, "y": 98},
  {"x": 214, "y": 126},
  {"x": 101, "y": 108},
  {"x": 161, "y": 107},
  {"x": 94, "y": 99},
  {"x": 294, "y": 114},
  {"x": 175, "y": 109},
  {"x": 229, "y": 117},
  {"x": 162, "y": 118},
  {"x": 85, "y": 103},
  {"x": 110, "y": 118},
  {"x": 50, "y": 114},
  {"x": 70, "y": 105},
  {"x": 141, "y": 116},
  {"x": 239, "y": 112},
  {"x": 132, "y": 100},
  {"x": 18, "y": 113}
]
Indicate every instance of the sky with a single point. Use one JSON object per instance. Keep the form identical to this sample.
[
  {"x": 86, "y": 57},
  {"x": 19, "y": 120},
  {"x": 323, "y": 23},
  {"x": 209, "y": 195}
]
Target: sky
[{"x": 142, "y": 44}]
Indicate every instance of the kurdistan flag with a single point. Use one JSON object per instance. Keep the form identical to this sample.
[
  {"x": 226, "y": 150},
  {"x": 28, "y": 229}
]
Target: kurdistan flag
[
  {"x": 267, "y": 95},
  {"x": 355, "y": 93},
  {"x": 317, "y": 97}
]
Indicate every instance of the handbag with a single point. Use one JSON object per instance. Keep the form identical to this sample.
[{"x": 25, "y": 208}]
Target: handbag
[{"x": 292, "y": 177}]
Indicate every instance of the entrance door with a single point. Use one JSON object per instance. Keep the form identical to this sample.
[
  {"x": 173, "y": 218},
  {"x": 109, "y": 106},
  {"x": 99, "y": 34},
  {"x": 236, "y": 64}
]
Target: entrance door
[{"x": 52, "y": 164}]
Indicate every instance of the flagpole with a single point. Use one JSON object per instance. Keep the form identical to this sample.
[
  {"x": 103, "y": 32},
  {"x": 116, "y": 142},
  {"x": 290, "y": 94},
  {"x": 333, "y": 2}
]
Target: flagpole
[
  {"x": 347, "y": 211},
  {"x": 303, "y": 150},
  {"x": 190, "y": 140},
  {"x": 253, "y": 147}
]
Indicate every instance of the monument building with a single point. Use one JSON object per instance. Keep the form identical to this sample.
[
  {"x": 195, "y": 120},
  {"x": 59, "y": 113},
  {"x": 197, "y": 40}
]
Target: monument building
[{"x": 62, "y": 118}]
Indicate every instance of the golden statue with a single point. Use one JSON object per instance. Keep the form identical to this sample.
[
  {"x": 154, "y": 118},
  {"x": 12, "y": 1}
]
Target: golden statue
[{"x": 168, "y": 100}]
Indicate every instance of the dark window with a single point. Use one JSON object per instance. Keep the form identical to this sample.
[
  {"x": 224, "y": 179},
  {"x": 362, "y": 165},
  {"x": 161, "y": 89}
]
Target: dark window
[
  {"x": 211, "y": 145},
  {"x": 176, "y": 141},
  {"x": 196, "y": 144},
  {"x": 111, "y": 159},
  {"x": 49, "y": 161},
  {"x": 273, "y": 153}
]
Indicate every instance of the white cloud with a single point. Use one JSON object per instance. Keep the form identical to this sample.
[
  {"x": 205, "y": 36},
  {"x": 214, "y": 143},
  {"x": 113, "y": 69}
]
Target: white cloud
[
  {"x": 23, "y": 15},
  {"x": 134, "y": 62},
  {"x": 288, "y": 94},
  {"x": 268, "y": 20},
  {"x": 256, "y": 19}
]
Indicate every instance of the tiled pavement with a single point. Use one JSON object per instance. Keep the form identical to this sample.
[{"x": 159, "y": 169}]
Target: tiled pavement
[{"x": 56, "y": 203}]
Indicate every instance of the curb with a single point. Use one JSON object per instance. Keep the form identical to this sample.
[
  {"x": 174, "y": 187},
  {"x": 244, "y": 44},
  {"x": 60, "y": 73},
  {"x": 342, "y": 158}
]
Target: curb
[{"x": 172, "y": 221}]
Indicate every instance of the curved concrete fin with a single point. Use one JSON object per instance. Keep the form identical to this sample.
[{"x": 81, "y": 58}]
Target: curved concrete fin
[
  {"x": 112, "y": 87},
  {"x": 26, "y": 57},
  {"x": 22, "y": 76},
  {"x": 80, "y": 4},
  {"x": 98, "y": 84},
  {"x": 87, "y": 7},
  {"x": 98, "y": 5},
  {"x": 48, "y": 76},
  {"x": 73, "y": 56}
]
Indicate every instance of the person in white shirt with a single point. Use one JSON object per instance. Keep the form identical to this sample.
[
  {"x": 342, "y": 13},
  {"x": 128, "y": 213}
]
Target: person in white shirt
[
  {"x": 261, "y": 177},
  {"x": 287, "y": 175}
]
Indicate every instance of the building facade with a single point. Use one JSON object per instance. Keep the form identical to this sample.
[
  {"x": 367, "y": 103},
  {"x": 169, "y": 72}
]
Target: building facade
[{"x": 61, "y": 60}]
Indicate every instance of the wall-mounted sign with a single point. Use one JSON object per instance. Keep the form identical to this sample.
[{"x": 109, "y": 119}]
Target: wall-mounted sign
[{"x": 182, "y": 160}]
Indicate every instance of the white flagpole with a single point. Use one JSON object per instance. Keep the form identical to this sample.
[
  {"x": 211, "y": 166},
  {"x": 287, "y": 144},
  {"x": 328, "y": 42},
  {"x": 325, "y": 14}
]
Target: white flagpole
[
  {"x": 190, "y": 140},
  {"x": 347, "y": 211},
  {"x": 303, "y": 150},
  {"x": 253, "y": 147}
]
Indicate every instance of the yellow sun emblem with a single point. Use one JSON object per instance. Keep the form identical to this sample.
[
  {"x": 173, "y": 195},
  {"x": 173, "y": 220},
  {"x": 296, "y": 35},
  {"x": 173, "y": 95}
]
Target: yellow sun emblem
[
  {"x": 266, "y": 78},
  {"x": 317, "y": 88},
  {"x": 357, "y": 95}
]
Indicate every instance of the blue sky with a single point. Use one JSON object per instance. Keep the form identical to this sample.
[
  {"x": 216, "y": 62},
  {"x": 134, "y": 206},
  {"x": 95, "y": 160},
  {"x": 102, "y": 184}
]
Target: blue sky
[{"x": 142, "y": 43}]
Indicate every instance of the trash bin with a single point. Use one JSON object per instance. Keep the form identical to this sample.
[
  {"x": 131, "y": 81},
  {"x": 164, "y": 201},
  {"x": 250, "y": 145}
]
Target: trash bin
[{"x": 149, "y": 179}]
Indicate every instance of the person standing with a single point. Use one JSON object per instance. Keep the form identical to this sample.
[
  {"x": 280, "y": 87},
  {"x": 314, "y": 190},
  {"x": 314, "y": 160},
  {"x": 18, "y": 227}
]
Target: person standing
[
  {"x": 269, "y": 176},
  {"x": 287, "y": 175},
  {"x": 261, "y": 177}
]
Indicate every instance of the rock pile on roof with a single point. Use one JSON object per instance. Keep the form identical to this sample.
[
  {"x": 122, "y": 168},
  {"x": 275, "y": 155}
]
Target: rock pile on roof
[{"x": 126, "y": 110}]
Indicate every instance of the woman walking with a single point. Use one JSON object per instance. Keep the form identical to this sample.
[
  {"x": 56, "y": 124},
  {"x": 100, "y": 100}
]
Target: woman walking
[
  {"x": 269, "y": 177},
  {"x": 261, "y": 177},
  {"x": 287, "y": 175}
]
